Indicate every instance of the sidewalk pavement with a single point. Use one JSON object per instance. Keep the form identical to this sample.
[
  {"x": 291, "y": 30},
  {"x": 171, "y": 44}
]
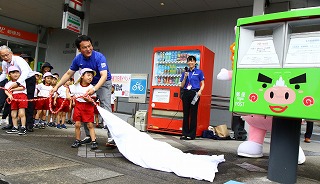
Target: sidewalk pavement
[{"x": 45, "y": 156}]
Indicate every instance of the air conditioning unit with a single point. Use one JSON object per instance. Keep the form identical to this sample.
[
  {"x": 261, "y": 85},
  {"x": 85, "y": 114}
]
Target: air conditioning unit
[{"x": 140, "y": 120}]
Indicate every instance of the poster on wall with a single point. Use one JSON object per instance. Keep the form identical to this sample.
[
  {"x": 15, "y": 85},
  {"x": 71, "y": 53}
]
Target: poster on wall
[
  {"x": 138, "y": 88},
  {"x": 121, "y": 83}
]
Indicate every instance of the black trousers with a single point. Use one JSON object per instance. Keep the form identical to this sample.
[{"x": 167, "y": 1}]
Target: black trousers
[
  {"x": 190, "y": 114},
  {"x": 3, "y": 96},
  {"x": 31, "y": 86},
  {"x": 3, "y": 104},
  {"x": 309, "y": 129},
  {"x": 6, "y": 110}
]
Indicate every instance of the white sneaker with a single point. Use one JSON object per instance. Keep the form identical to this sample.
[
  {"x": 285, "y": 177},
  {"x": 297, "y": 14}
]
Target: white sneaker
[
  {"x": 111, "y": 143},
  {"x": 110, "y": 139},
  {"x": 3, "y": 121}
]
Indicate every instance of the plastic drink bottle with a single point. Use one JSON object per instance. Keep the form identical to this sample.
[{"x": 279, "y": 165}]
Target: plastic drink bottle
[{"x": 195, "y": 99}]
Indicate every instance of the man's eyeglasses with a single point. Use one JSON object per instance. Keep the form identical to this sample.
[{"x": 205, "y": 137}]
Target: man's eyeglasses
[{"x": 5, "y": 55}]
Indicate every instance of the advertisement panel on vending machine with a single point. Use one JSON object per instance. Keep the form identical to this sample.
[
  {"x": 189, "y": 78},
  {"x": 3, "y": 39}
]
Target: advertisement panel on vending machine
[{"x": 165, "y": 112}]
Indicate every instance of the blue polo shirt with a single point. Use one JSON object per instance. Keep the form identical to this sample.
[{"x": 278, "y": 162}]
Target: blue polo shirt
[
  {"x": 96, "y": 62},
  {"x": 194, "y": 78}
]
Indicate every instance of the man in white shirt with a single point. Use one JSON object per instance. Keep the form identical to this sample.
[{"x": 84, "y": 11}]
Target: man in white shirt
[{"x": 27, "y": 75}]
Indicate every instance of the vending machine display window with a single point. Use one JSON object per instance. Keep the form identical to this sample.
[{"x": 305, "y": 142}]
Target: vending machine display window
[{"x": 169, "y": 65}]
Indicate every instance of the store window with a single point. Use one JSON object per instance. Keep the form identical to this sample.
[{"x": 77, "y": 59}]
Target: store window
[
  {"x": 20, "y": 48},
  {"x": 2, "y": 42}
]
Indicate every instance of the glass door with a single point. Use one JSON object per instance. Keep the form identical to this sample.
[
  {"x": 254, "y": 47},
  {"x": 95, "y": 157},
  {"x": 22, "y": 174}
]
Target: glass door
[
  {"x": 20, "y": 48},
  {"x": 23, "y": 48}
]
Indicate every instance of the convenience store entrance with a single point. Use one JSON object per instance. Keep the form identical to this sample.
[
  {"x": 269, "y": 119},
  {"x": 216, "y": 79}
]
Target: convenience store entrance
[{"x": 22, "y": 48}]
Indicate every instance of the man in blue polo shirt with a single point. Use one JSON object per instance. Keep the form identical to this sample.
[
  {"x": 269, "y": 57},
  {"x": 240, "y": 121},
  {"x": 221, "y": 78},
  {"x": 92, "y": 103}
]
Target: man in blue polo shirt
[
  {"x": 101, "y": 81},
  {"x": 192, "y": 82}
]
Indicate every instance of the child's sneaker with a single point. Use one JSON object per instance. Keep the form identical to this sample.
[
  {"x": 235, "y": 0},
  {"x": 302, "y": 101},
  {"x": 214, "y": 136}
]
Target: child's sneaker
[
  {"x": 86, "y": 140},
  {"x": 51, "y": 124},
  {"x": 94, "y": 145},
  {"x": 14, "y": 130},
  {"x": 22, "y": 131},
  {"x": 42, "y": 124},
  {"x": 36, "y": 125},
  {"x": 76, "y": 144},
  {"x": 69, "y": 122},
  {"x": 58, "y": 126},
  {"x": 64, "y": 126}
]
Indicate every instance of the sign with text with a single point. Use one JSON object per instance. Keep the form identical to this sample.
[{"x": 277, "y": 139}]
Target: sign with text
[
  {"x": 76, "y": 4},
  {"x": 261, "y": 52},
  {"x": 138, "y": 88},
  {"x": 161, "y": 95},
  {"x": 121, "y": 83},
  {"x": 12, "y": 32},
  {"x": 71, "y": 22},
  {"x": 304, "y": 49}
]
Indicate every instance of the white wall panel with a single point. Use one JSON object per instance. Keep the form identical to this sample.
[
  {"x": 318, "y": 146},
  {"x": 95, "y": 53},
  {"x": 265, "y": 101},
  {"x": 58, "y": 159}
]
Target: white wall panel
[
  {"x": 58, "y": 55},
  {"x": 128, "y": 45}
]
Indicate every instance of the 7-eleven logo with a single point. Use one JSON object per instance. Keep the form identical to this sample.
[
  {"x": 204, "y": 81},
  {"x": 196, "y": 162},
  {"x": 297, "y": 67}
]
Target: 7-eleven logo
[{"x": 76, "y": 4}]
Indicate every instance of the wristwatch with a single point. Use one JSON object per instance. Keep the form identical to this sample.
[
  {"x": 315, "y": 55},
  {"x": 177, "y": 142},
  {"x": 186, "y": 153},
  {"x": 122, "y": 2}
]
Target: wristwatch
[{"x": 18, "y": 83}]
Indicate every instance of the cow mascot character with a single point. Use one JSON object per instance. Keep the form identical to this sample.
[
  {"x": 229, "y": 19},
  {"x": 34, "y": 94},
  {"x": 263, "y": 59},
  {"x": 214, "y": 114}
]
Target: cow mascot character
[{"x": 258, "y": 126}]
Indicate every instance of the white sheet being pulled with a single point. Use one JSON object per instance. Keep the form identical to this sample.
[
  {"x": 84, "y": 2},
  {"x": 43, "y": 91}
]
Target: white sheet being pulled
[{"x": 141, "y": 149}]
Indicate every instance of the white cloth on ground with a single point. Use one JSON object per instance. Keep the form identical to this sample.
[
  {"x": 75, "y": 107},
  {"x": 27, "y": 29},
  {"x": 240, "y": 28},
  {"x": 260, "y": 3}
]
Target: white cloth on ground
[{"x": 143, "y": 150}]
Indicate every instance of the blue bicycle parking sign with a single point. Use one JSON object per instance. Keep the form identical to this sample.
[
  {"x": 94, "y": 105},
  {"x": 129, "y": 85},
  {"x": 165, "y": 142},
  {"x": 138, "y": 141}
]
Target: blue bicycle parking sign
[{"x": 138, "y": 86}]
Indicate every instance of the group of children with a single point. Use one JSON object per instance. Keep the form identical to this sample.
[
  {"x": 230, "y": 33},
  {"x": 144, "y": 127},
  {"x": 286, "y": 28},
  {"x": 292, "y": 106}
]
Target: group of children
[{"x": 67, "y": 98}]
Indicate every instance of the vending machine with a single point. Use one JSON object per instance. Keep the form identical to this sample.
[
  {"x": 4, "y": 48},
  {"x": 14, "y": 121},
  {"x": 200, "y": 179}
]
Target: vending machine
[
  {"x": 277, "y": 67},
  {"x": 165, "y": 112}
]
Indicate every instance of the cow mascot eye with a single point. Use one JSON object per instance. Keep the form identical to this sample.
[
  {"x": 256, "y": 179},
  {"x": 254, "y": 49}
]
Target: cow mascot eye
[{"x": 264, "y": 85}]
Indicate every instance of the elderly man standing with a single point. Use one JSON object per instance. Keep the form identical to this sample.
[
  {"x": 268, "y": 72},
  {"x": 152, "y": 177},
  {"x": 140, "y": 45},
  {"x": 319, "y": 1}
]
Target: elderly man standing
[{"x": 26, "y": 75}]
